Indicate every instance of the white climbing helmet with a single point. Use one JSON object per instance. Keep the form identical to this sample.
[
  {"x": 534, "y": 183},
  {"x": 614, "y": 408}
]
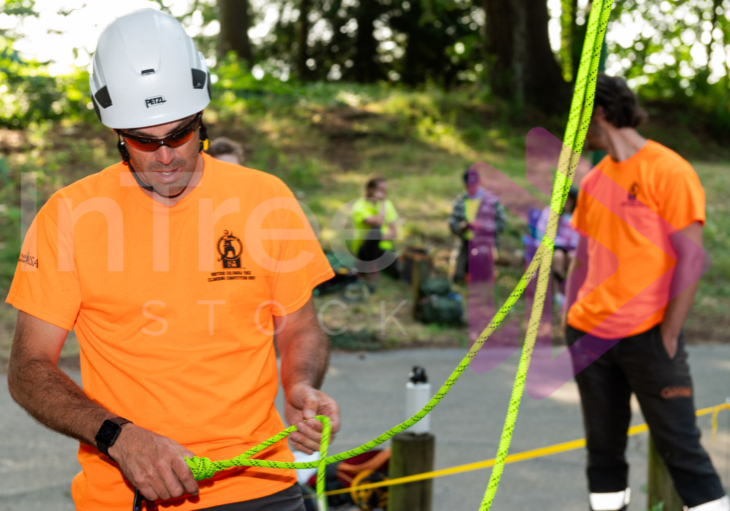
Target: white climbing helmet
[{"x": 147, "y": 71}]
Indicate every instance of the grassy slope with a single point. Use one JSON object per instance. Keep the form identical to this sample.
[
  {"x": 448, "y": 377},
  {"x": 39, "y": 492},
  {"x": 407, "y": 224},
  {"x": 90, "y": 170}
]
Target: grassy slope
[{"x": 325, "y": 141}]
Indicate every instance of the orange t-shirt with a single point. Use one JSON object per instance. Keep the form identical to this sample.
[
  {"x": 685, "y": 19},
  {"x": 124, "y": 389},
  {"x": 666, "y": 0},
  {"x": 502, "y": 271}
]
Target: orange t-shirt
[
  {"x": 173, "y": 308},
  {"x": 628, "y": 210}
]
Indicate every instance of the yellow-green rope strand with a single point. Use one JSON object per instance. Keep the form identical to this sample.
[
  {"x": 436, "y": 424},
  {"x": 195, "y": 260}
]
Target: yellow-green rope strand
[
  {"x": 204, "y": 468},
  {"x": 580, "y": 114}
]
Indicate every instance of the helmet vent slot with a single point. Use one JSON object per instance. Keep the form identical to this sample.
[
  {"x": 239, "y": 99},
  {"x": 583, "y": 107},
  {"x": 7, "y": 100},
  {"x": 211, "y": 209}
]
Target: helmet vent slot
[
  {"x": 103, "y": 98},
  {"x": 199, "y": 78}
]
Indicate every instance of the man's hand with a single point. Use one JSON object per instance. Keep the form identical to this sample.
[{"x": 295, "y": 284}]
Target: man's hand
[
  {"x": 153, "y": 463},
  {"x": 303, "y": 402},
  {"x": 669, "y": 340}
]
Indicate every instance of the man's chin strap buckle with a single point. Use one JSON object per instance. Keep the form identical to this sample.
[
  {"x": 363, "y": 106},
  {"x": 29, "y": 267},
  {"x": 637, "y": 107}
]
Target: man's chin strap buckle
[{"x": 616, "y": 501}]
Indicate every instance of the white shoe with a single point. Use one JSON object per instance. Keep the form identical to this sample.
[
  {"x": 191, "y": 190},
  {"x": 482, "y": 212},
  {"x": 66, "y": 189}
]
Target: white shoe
[
  {"x": 615, "y": 501},
  {"x": 722, "y": 504}
]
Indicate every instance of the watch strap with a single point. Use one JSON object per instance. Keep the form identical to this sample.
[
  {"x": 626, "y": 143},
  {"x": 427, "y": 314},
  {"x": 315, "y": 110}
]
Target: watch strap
[{"x": 119, "y": 421}]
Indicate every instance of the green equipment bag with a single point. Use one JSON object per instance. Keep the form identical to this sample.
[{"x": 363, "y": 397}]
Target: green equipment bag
[
  {"x": 435, "y": 286},
  {"x": 445, "y": 310},
  {"x": 439, "y": 304}
]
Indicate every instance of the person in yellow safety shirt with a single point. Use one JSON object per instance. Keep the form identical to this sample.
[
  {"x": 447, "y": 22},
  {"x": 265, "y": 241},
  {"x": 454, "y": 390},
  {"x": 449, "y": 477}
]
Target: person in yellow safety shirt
[
  {"x": 375, "y": 220},
  {"x": 477, "y": 217}
]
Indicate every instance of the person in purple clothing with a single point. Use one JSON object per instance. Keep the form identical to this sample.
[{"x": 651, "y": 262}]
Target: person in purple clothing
[{"x": 566, "y": 241}]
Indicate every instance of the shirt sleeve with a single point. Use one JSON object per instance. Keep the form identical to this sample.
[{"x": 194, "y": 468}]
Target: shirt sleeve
[
  {"x": 500, "y": 218},
  {"x": 457, "y": 216},
  {"x": 391, "y": 215},
  {"x": 360, "y": 212},
  {"x": 682, "y": 198},
  {"x": 300, "y": 262},
  {"x": 541, "y": 226},
  {"x": 43, "y": 286}
]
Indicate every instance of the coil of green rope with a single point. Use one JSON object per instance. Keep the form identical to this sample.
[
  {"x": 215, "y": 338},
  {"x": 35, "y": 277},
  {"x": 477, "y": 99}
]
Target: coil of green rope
[{"x": 579, "y": 118}]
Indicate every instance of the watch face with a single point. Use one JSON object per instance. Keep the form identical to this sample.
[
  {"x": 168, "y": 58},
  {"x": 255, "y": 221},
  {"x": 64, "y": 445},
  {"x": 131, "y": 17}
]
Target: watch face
[{"x": 108, "y": 433}]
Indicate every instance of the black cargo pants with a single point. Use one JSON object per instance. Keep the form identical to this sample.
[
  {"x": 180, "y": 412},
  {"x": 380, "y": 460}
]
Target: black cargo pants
[
  {"x": 285, "y": 500},
  {"x": 663, "y": 387}
]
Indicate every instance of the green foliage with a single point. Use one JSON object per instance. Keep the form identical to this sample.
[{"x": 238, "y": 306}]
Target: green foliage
[
  {"x": 30, "y": 94},
  {"x": 417, "y": 41},
  {"x": 664, "y": 61},
  {"x": 18, "y": 8}
]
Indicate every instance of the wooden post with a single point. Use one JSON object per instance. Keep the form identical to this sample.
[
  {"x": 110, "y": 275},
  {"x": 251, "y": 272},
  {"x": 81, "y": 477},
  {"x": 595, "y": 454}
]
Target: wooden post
[
  {"x": 411, "y": 454},
  {"x": 416, "y": 286},
  {"x": 660, "y": 487}
]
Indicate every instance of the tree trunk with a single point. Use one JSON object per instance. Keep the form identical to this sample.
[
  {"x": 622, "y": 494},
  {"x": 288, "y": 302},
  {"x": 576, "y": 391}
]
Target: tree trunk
[
  {"x": 366, "y": 46},
  {"x": 234, "y": 19},
  {"x": 520, "y": 62},
  {"x": 409, "y": 23},
  {"x": 302, "y": 55},
  {"x": 499, "y": 45},
  {"x": 544, "y": 84}
]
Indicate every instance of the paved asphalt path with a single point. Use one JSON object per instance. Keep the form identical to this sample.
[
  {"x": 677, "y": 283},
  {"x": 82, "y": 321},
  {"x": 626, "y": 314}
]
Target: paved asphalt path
[{"x": 37, "y": 465}]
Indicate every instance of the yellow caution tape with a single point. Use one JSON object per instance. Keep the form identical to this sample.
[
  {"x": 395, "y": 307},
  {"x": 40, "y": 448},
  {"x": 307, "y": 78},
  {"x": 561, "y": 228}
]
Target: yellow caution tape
[{"x": 513, "y": 458}]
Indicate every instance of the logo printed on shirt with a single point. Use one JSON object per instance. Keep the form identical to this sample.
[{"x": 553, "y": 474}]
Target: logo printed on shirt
[
  {"x": 230, "y": 249},
  {"x": 633, "y": 194},
  {"x": 634, "y": 191},
  {"x": 29, "y": 260}
]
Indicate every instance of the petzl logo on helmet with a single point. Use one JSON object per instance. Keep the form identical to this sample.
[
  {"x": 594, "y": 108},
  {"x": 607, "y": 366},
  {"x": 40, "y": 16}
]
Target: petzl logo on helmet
[{"x": 157, "y": 100}]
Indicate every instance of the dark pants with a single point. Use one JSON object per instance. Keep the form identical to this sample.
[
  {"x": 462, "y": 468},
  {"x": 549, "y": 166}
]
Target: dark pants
[
  {"x": 371, "y": 250},
  {"x": 476, "y": 259},
  {"x": 663, "y": 387},
  {"x": 462, "y": 260},
  {"x": 286, "y": 500}
]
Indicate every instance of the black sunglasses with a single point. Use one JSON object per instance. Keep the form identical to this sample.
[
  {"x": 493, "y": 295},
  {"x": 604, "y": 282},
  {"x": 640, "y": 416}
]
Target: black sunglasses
[{"x": 176, "y": 139}]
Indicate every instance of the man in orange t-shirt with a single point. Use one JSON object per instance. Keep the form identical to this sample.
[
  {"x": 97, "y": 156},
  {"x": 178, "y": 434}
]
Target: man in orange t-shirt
[
  {"x": 175, "y": 270},
  {"x": 640, "y": 214}
]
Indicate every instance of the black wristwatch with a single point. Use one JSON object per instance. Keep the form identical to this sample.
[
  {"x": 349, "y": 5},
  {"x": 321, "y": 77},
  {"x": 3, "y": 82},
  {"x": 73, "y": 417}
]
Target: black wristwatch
[{"x": 109, "y": 432}]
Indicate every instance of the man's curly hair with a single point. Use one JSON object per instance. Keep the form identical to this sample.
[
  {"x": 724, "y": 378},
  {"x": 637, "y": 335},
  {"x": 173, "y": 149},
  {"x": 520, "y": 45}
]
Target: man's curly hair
[{"x": 619, "y": 103}]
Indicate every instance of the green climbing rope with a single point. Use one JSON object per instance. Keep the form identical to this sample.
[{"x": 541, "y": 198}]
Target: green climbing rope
[
  {"x": 581, "y": 110},
  {"x": 580, "y": 113}
]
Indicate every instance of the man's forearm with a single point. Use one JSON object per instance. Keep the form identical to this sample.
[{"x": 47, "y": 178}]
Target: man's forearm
[
  {"x": 678, "y": 309},
  {"x": 306, "y": 360},
  {"x": 691, "y": 262},
  {"x": 55, "y": 400}
]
